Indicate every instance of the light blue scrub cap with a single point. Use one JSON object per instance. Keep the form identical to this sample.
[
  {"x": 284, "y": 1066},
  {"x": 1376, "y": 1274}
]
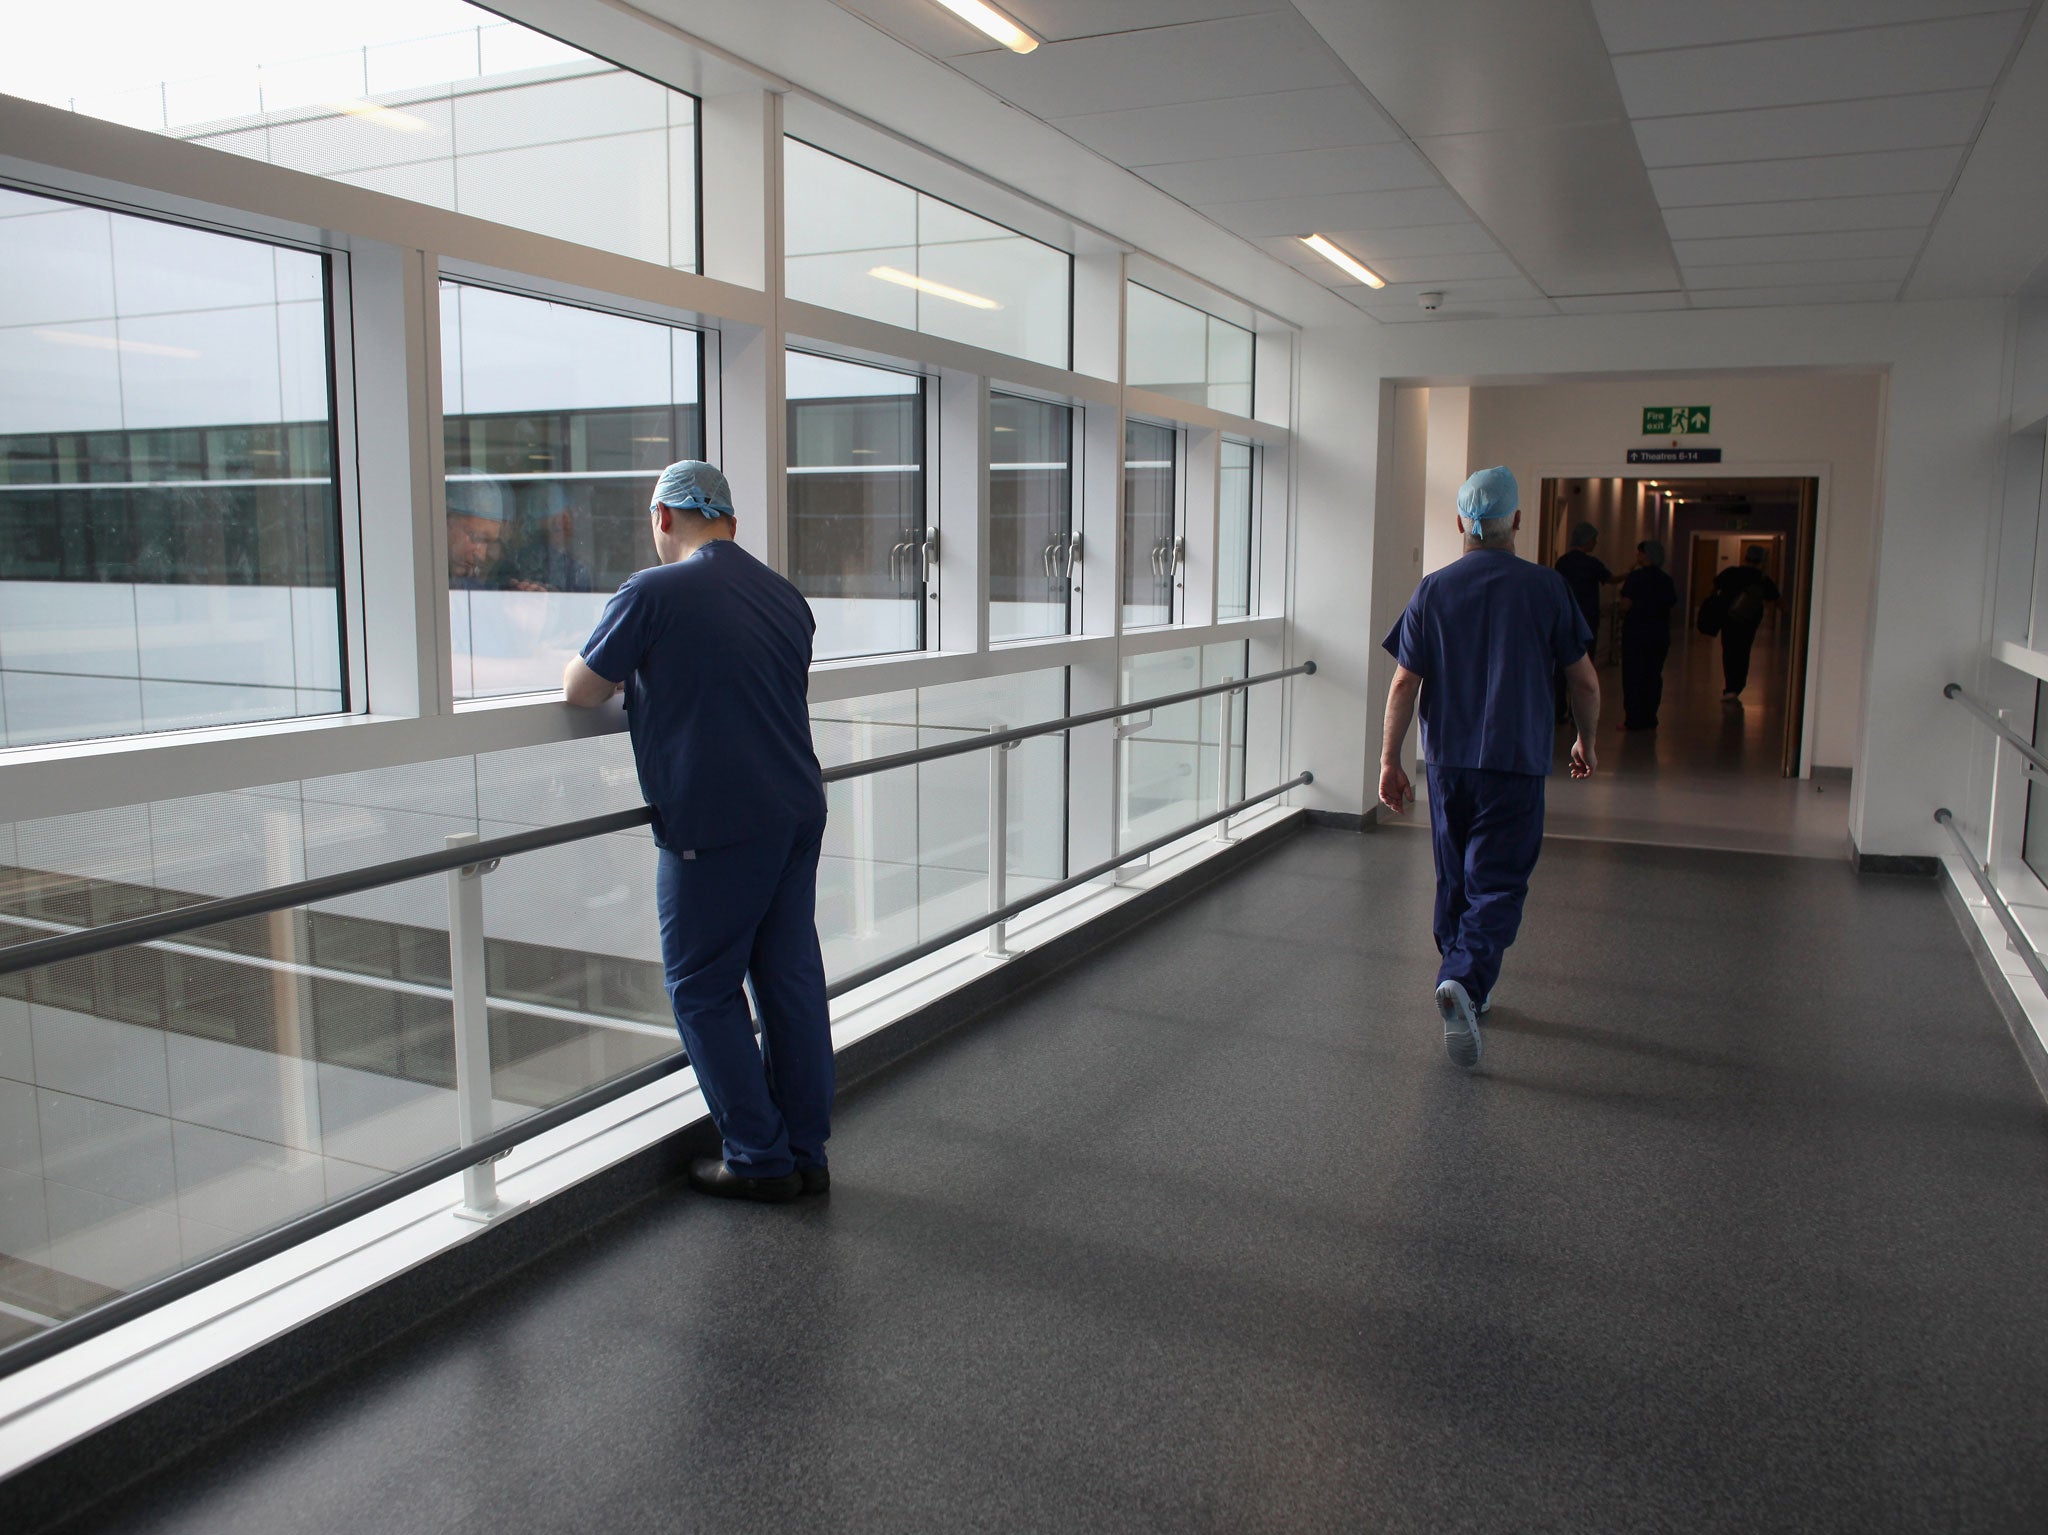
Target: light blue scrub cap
[
  {"x": 1489, "y": 494},
  {"x": 694, "y": 486},
  {"x": 476, "y": 498}
]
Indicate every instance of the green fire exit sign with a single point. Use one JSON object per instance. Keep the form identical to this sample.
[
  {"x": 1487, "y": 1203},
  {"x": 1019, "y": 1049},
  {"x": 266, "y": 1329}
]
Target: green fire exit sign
[{"x": 1677, "y": 420}]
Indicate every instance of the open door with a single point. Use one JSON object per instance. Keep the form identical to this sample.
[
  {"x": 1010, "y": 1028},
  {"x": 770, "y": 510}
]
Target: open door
[{"x": 1800, "y": 600}]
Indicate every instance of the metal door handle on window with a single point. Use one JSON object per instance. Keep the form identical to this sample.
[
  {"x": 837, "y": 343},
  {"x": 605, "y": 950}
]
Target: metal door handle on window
[
  {"x": 1180, "y": 555},
  {"x": 1051, "y": 553},
  {"x": 1073, "y": 557},
  {"x": 896, "y": 563},
  {"x": 928, "y": 555}
]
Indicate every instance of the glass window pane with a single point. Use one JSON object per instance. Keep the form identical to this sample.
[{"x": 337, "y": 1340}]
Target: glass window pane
[
  {"x": 1174, "y": 349},
  {"x": 858, "y": 242},
  {"x": 557, "y": 421},
  {"x": 857, "y": 504},
  {"x": 1151, "y": 555},
  {"x": 170, "y": 532},
  {"x": 1031, "y": 518},
  {"x": 433, "y": 100},
  {"x": 1235, "y": 524},
  {"x": 1169, "y": 767},
  {"x": 906, "y": 852}
]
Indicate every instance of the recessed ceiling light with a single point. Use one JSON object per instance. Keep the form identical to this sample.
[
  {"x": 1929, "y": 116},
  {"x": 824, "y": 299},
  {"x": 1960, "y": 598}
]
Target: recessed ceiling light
[
  {"x": 904, "y": 279},
  {"x": 383, "y": 117},
  {"x": 1343, "y": 260},
  {"x": 986, "y": 18}
]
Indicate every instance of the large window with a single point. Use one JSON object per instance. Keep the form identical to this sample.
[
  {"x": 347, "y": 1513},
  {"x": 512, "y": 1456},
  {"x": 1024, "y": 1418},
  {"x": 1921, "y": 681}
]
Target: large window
[
  {"x": 1153, "y": 552},
  {"x": 169, "y": 531},
  {"x": 432, "y": 100},
  {"x": 1171, "y": 763},
  {"x": 861, "y": 243},
  {"x": 1033, "y": 546},
  {"x": 557, "y": 421},
  {"x": 1236, "y": 528},
  {"x": 860, "y": 547},
  {"x": 1175, "y": 349}
]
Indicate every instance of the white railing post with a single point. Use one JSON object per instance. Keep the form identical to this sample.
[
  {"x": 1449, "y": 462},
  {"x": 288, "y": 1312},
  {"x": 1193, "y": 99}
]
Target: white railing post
[
  {"x": 480, "y": 1200},
  {"x": 998, "y": 841},
  {"x": 1225, "y": 710}
]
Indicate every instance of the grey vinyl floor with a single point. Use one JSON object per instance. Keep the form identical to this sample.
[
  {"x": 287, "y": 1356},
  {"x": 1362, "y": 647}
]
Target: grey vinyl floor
[{"x": 1741, "y": 1225}]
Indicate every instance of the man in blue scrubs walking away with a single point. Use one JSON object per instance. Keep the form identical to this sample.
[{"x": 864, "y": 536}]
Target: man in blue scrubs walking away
[
  {"x": 713, "y": 652},
  {"x": 1480, "y": 642}
]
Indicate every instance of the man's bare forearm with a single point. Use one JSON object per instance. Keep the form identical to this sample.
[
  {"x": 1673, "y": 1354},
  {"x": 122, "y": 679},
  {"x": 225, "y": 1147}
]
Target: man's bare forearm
[
  {"x": 1400, "y": 715},
  {"x": 1585, "y": 700}
]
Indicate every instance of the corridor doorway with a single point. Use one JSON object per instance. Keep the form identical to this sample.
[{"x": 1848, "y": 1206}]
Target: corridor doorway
[{"x": 1712, "y": 765}]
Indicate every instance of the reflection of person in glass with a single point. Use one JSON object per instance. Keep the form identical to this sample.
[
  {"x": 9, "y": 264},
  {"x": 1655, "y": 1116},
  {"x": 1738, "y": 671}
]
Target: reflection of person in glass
[
  {"x": 713, "y": 652},
  {"x": 543, "y": 556},
  {"x": 476, "y": 533}
]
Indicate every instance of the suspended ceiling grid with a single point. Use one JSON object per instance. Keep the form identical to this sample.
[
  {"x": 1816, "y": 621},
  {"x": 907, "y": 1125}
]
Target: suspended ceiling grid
[{"x": 1530, "y": 157}]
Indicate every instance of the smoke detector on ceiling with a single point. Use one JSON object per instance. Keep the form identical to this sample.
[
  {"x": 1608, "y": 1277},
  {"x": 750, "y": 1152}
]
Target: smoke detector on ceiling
[{"x": 1432, "y": 301}]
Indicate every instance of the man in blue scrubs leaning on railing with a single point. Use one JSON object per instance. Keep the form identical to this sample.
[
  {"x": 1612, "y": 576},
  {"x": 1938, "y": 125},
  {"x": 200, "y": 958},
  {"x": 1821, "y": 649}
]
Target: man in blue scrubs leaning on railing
[
  {"x": 713, "y": 652},
  {"x": 1480, "y": 642}
]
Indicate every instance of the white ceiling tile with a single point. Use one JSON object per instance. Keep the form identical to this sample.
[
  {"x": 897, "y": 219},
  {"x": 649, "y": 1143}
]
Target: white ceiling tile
[
  {"x": 1825, "y": 128},
  {"x": 1369, "y": 245},
  {"x": 1847, "y": 245},
  {"x": 1620, "y": 303},
  {"x": 1349, "y": 210},
  {"x": 1826, "y": 293},
  {"x": 1473, "y": 66},
  {"x": 1061, "y": 19},
  {"x": 1635, "y": 26},
  {"x": 1436, "y": 271},
  {"x": 1304, "y": 172},
  {"x": 1963, "y": 54},
  {"x": 1408, "y": 295},
  {"x": 1204, "y": 61},
  {"x": 1508, "y": 309},
  {"x": 1570, "y": 201},
  {"x": 1780, "y": 274},
  {"x": 1907, "y": 210},
  {"x": 1273, "y": 123},
  {"x": 1765, "y": 181}
]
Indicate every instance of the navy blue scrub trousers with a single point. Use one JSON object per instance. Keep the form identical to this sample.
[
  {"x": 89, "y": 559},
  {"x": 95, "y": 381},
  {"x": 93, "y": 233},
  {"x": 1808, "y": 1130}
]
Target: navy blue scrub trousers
[
  {"x": 1486, "y": 829},
  {"x": 748, "y": 911}
]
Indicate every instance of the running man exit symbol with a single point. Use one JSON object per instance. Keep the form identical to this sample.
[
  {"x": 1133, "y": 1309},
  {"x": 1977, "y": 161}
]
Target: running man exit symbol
[{"x": 1677, "y": 420}]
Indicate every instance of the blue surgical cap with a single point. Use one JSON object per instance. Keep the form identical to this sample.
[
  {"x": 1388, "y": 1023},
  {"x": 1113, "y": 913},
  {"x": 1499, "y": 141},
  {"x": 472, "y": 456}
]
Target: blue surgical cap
[
  {"x": 694, "y": 486},
  {"x": 1489, "y": 494},
  {"x": 476, "y": 498}
]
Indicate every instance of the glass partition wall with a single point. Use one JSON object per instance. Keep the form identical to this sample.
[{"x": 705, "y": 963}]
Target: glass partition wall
[{"x": 262, "y": 465}]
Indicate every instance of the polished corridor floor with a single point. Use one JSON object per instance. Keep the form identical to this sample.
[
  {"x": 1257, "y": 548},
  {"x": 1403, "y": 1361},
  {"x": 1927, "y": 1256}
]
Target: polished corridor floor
[
  {"x": 1710, "y": 775},
  {"x": 1741, "y": 1226}
]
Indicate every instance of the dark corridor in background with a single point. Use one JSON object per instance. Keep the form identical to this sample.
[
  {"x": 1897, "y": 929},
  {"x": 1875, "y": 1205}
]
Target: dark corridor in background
[{"x": 1705, "y": 525}]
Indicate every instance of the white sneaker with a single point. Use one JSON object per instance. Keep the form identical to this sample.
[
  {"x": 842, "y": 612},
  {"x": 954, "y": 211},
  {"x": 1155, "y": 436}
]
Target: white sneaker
[{"x": 1461, "y": 1024}]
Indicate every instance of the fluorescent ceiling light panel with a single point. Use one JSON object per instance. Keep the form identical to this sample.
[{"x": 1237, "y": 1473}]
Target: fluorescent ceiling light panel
[
  {"x": 904, "y": 279},
  {"x": 1343, "y": 260},
  {"x": 986, "y": 18}
]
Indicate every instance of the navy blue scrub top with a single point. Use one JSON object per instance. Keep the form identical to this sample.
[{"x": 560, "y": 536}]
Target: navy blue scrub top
[
  {"x": 1585, "y": 575},
  {"x": 1651, "y": 597},
  {"x": 715, "y": 652},
  {"x": 1486, "y": 634}
]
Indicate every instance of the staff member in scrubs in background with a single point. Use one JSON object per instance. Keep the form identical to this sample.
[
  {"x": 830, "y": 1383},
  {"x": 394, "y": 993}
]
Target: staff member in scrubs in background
[
  {"x": 1647, "y": 598},
  {"x": 1479, "y": 643},
  {"x": 713, "y": 652}
]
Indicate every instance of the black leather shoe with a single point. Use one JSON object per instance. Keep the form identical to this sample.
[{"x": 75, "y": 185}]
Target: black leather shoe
[
  {"x": 710, "y": 1175},
  {"x": 817, "y": 1180}
]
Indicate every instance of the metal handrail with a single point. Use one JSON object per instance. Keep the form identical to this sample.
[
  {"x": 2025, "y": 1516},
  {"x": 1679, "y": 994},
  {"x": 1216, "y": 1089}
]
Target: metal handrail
[
  {"x": 2013, "y": 738},
  {"x": 108, "y": 936},
  {"x": 2029, "y": 955}
]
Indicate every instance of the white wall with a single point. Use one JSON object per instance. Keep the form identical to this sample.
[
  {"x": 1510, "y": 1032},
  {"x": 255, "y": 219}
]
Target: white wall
[
  {"x": 1935, "y": 499},
  {"x": 1450, "y": 461},
  {"x": 1336, "y": 714},
  {"x": 1816, "y": 423}
]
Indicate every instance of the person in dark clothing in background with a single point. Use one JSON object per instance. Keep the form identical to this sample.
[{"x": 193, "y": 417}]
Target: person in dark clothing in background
[
  {"x": 1585, "y": 575},
  {"x": 1744, "y": 589},
  {"x": 1647, "y": 598}
]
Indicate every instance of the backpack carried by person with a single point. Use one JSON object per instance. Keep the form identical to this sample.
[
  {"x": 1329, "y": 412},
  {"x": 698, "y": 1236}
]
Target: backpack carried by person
[
  {"x": 1746, "y": 608},
  {"x": 1713, "y": 613}
]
